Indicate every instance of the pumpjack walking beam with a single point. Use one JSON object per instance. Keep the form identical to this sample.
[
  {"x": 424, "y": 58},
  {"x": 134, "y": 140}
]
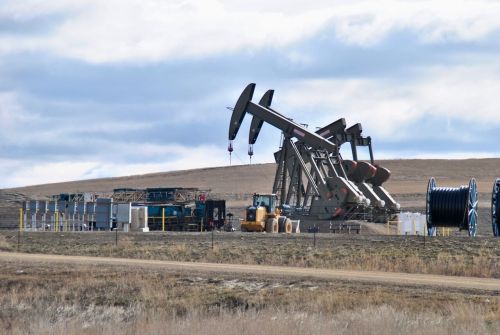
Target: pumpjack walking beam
[
  {"x": 289, "y": 128},
  {"x": 337, "y": 133}
]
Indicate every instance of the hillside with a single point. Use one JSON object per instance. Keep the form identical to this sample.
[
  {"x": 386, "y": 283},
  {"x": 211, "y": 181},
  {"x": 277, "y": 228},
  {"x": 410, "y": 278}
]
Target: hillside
[
  {"x": 408, "y": 182},
  {"x": 408, "y": 177}
]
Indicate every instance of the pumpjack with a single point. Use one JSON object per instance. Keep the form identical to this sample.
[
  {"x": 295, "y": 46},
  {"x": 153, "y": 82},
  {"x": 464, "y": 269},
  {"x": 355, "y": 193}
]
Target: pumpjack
[
  {"x": 367, "y": 176},
  {"x": 311, "y": 173}
]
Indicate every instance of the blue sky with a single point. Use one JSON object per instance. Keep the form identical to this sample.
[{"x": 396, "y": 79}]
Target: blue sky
[{"x": 94, "y": 88}]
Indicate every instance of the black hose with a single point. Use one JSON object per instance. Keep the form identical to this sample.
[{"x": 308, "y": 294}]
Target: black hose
[
  {"x": 452, "y": 206},
  {"x": 449, "y": 206},
  {"x": 498, "y": 209}
]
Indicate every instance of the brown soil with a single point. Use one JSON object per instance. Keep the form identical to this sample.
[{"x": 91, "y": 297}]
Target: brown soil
[{"x": 409, "y": 177}]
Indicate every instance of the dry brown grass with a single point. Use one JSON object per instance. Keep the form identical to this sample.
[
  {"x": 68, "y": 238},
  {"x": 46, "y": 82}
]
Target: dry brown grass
[
  {"x": 455, "y": 256},
  {"x": 4, "y": 244},
  {"x": 55, "y": 299},
  {"x": 373, "y": 320},
  {"x": 443, "y": 264}
]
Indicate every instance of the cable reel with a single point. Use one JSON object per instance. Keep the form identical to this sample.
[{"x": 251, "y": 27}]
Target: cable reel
[
  {"x": 452, "y": 207},
  {"x": 495, "y": 208}
]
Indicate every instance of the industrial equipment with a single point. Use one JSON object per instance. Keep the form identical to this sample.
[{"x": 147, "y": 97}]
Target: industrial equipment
[
  {"x": 366, "y": 177},
  {"x": 330, "y": 191},
  {"x": 264, "y": 215},
  {"x": 166, "y": 209},
  {"x": 214, "y": 215},
  {"x": 311, "y": 174},
  {"x": 103, "y": 213},
  {"x": 495, "y": 208},
  {"x": 165, "y": 217},
  {"x": 452, "y": 207}
]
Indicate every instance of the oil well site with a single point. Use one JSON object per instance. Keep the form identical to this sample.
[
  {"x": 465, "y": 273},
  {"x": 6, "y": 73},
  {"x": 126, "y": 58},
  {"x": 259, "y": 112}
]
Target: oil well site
[
  {"x": 310, "y": 189},
  {"x": 312, "y": 243}
]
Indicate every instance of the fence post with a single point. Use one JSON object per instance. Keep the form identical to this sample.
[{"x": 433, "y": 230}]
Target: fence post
[
  {"x": 314, "y": 236},
  {"x": 116, "y": 237},
  {"x": 414, "y": 225},
  {"x": 163, "y": 219}
]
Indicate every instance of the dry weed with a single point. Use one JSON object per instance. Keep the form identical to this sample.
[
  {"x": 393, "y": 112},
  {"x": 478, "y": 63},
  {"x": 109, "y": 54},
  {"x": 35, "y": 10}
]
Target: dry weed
[
  {"x": 4, "y": 244},
  {"x": 445, "y": 256},
  {"x": 84, "y": 299},
  {"x": 372, "y": 320}
]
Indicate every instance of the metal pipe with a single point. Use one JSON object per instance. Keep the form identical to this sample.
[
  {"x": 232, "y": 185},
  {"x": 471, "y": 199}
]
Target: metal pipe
[{"x": 284, "y": 176}]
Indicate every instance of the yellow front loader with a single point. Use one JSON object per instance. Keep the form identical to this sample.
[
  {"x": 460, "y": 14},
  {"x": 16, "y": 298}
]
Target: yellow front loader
[{"x": 263, "y": 215}]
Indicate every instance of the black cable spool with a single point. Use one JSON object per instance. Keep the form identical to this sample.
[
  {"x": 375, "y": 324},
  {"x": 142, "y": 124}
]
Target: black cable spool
[
  {"x": 495, "y": 208},
  {"x": 452, "y": 207}
]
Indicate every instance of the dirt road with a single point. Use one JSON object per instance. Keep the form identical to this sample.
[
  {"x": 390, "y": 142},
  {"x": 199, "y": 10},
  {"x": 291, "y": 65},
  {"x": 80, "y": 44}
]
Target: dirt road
[{"x": 386, "y": 278}]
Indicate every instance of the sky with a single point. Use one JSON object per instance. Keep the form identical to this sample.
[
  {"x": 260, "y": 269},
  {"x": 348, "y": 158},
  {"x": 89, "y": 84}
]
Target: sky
[{"x": 92, "y": 88}]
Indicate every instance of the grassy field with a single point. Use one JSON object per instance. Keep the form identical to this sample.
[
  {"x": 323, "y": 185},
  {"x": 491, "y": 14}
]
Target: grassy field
[
  {"x": 42, "y": 298},
  {"x": 454, "y": 255},
  {"x": 38, "y": 298}
]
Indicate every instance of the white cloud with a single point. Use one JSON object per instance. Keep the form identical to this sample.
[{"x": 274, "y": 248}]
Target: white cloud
[
  {"x": 388, "y": 108},
  {"x": 13, "y": 116},
  {"x": 138, "y": 30},
  {"x": 111, "y": 31},
  {"x": 23, "y": 172},
  {"x": 366, "y": 22},
  {"x": 115, "y": 30},
  {"x": 10, "y": 109},
  {"x": 29, "y": 9},
  {"x": 21, "y": 125}
]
